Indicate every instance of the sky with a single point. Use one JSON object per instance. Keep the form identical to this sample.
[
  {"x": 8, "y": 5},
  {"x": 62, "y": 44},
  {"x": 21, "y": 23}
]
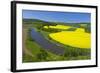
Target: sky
[{"x": 67, "y": 17}]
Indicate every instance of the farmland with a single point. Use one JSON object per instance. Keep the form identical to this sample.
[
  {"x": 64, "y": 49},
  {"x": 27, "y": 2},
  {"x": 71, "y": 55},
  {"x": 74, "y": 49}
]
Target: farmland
[{"x": 73, "y": 38}]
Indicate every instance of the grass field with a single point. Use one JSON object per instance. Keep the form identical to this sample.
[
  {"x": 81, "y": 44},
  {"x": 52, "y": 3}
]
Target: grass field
[{"x": 75, "y": 41}]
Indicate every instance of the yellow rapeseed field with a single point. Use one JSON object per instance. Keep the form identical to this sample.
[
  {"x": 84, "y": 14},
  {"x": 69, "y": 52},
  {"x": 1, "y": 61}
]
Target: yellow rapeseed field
[
  {"x": 58, "y": 27},
  {"x": 78, "y": 38}
]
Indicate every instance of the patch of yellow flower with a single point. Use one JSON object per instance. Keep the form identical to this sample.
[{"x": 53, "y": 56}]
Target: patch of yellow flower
[
  {"x": 78, "y": 38},
  {"x": 58, "y": 27}
]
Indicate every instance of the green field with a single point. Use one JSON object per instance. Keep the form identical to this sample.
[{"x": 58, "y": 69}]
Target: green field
[{"x": 32, "y": 52}]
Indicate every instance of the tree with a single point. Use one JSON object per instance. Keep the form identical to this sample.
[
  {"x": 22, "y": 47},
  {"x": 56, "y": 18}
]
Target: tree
[
  {"x": 50, "y": 24},
  {"x": 42, "y": 56}
]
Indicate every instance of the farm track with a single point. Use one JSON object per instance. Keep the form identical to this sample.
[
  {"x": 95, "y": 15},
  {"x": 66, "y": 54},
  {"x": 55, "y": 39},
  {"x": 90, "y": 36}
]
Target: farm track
[{"x": 25, "y": 50}]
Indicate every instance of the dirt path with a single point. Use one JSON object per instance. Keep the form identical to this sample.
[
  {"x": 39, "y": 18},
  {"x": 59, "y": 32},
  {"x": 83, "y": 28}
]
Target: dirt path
[{"x": 25, "y": 50}]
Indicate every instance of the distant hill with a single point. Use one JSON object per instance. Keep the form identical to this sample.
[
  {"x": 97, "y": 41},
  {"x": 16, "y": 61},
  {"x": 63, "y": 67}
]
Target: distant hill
[
  {"x": 42, "y": 21},
  {"x": 37, "y": 21},
  {"x": 31, "y": 20}
]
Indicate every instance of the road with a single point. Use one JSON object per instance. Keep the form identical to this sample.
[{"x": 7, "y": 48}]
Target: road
[{"x": 45, "y": 44}]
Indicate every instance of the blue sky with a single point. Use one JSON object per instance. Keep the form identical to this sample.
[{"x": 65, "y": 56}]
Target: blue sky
[{"x": 68, "y": 17}]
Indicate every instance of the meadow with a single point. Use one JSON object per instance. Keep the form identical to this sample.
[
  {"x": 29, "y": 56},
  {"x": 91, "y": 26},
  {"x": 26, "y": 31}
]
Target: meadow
[{"x": 75, "y": 40}]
